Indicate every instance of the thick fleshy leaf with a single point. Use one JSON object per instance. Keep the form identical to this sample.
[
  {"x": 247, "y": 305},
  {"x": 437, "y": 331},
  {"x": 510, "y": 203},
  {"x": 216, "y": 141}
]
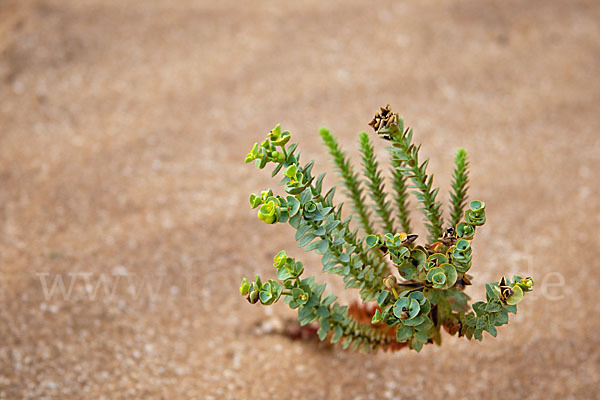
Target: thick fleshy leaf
[
  {"x": 293, "y": 205},
  {"x": 401, "y": 305},
  {"x": 404, "y": 333},
  {"x": 419, "y": 258},
  {"x": 516, "y": 297},
  {"x": 451, "y": 275}
]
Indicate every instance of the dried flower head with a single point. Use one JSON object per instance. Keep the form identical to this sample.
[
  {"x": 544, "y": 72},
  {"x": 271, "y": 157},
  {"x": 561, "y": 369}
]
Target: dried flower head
[{"x": 384, "y": 118}]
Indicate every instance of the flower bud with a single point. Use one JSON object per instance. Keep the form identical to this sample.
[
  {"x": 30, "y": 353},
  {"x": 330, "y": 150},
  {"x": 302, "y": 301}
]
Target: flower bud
[
  {"x": 280, "y": 259},
  {"x": 526, "y": 283},
  {"x": 278, "y": 156},
  {"x": 390, "y": 281},
  {"x": 465, "y": 231},
  {"x": 310, "y": 210},
  {"x": 244, "y": 287},
  {"x": 253, "y": 154},
  {"x": 290, "y": 171},
  {"x": 269, "y": 212},
  {"x": 275, "y": 133},
  {"x": 255, "y": 200},
  {"x": 253, "y": 297}
]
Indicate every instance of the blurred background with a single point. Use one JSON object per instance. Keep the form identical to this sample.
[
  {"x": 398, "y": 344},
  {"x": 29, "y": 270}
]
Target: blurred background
[{"x": 123, "y": 130}]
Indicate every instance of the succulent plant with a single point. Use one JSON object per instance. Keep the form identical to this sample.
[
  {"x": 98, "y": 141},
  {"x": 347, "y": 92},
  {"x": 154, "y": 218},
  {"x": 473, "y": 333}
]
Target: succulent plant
[{"x": 418, "y": 288}]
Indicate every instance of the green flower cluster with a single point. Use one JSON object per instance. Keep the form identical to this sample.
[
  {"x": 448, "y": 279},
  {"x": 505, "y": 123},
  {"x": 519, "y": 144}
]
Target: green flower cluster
[
  {"x": 287, "y": 267},
  {"x": 465, "y": 231},
  {"x": 461, "y": 255},
  {"x": 409, "y": 314},
  {"x": 268, "y": 292},
  {"x": 270, "y": 206},
  {"x": 475, "y": 216},
  {"x": 443, "y": 276},
  {"x": 512, "y": 293},
  {"x": 288, "y": 271},
  {"x": 267, "y": 150},
  {"x": 501, "y": 298},
  {"x": 295, "y": 182}
]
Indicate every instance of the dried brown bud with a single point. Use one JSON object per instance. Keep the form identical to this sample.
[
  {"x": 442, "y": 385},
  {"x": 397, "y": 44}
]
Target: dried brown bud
[
  {"x": 505, "y": 290},
  {"x": 384, "y": 118},
  {"x": 449, "y": 237},
  {"x": 409, "y": 239}
]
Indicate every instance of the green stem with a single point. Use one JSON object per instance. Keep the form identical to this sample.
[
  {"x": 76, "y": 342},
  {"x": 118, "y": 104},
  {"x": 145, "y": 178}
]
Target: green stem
[
  {"x": 458, "y": 195},
  {"x": 350, "y": 179},
  {"x": 401, "y": 198},
  {"x": 375, "y": 183},
  {"x": 408, "y": 155}
]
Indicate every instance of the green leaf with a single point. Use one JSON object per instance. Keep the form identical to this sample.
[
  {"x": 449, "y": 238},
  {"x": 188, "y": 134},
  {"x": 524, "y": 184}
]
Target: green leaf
[
  {"x": 382, "y": 297},
  {"x": 322, "y": 311},
  {"x": 322, "y": 333},
  {"x": 510, "y": 308},
  {"x": 419, "y": 296},
  {"x": 401, "y": 305},
  {"x": 490, "y": 292},
  {"x": 283, "y": 274},
  {"x": 377, "y": 317},
  {"x": 337, "y": 334},
  {"x": 293, "y": 205},
  {"x": 493, "y": 307},
  {"x": 346, "y": 342},
  {"x": 414, "y": 308},
  {"x": 403, "y": 334},
  {"x": 344, "y": 258},
  {"x": 277, "y": 169},
  {"x": 516, "y": 297},
  {"x": 314, "y": 245},
  {"x": 415, "y": 321},
  {"x": 295, "y": 220},
  {"x": 323, "y": 246},
  {"x": 306, "y": 315},
  {"x": 328, "y": 300},
  {"x": 419, "y": 258},
  {"x": 306, "y": 239},
  {"x": 421, "y": 336},
  {"x": 492, "y": 330},
  {"x": 425, "y": 325},
  {"x": 244, "y": 287},
  {"x": 329, "y": 226},
  {"x": 417, "y": 345},
  {"x": 407, "y": 271},
  {"x": 502, "y": 318},
  {"x": 305, "y": 196},
  {"x": 372, "y": 240},
  {"x": 291, "y": 171},
  {"x": 265, "y": 297},
  {"x": 451, "y": 275}
]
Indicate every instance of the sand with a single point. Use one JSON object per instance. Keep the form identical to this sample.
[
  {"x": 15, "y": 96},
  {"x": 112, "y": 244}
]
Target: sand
[{"x": 123, "y": 129}]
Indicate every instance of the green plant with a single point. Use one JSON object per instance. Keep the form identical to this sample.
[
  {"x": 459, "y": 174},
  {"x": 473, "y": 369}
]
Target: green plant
[{"x": 428, "y": 293}]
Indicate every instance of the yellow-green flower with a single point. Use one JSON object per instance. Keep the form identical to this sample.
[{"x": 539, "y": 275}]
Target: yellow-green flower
[
  {"x": 279, "y": 138},
  {"x": 253, "y": 154},
  {"x": 269, "y": 212},
  {"x": 245, "y": 287},
  {"x": 280, "y": 259}
]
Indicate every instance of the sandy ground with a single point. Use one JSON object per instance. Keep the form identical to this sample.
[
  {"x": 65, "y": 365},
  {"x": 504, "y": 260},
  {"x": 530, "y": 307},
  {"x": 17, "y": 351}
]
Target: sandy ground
[{"x": 123, "y": 128}]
